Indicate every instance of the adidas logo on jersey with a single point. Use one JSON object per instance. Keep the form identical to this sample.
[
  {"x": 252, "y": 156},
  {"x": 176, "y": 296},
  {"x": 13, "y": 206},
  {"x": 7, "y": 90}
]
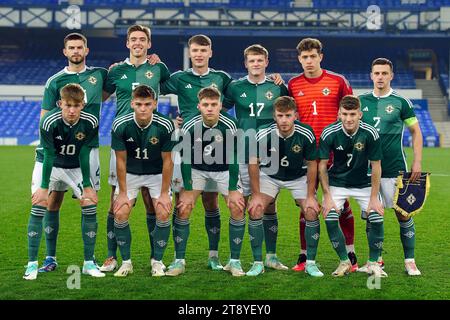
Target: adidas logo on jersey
[
  {"x": 300, "y": 93},
  {"x": 243, "y": 95},
  {"x": 366, "y": 109},
  {"x": 58, "y": 138},
  {"x": 339, "y": 148},
  {"x": 124, "y": 77},
  {"x": 273, "y": 149},
  {"x": 188, "y": 86},
  {"x": 199, "y": 140},
  {"x": 130, "y": 140}
]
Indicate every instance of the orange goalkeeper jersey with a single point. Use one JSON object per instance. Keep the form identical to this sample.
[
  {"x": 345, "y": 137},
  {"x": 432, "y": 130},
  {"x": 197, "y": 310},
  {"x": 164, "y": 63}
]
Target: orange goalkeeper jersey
[{"x": 318, "y": 98}]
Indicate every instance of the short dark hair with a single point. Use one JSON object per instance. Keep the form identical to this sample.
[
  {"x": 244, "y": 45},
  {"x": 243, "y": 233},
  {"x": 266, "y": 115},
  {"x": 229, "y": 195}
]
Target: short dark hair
[
  {"x": 138, "y": 27},
  {"x": 75, "y": 36},
  {"x": 72, "y": 92},
  {"x": 382, "y": 61},
  {"x": 208, "y": 92},
  {"x": 350, "y": 102},
  {"x": 308, "y": 44},
  {"x": 284, "y": 104},
  {"x": 200, "y": 39},
  {"x": 143, "y": 91},
  {"x": 256, "y": 49}
]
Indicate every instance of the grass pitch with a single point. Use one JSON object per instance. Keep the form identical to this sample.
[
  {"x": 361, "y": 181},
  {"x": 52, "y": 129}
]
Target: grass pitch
[{"x": 432, "y": 250}]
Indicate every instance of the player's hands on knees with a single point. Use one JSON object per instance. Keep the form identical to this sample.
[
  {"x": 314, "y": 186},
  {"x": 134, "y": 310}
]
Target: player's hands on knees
[
  {"x": 375, "y": 205},
  {"x": 153, "y": 59},
  {"x": 235, "y": 199},
  {"x": 256, "y": 206},
  {"x": 186, "y": 201},
  {"x": 89, "y": 194},
  {"x": 40, "y": 196},
  {"x": 165, "y": 203},
  {"x": 416, "y": 170},
  {"x": 312, "y": 204},
  {"x": 277, "y": 79},
  {"x": 121, "y": 200},
  {"x": 328, "y": 205}
]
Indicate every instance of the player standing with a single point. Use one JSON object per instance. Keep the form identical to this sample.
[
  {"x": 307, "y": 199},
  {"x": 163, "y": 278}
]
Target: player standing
[
  {"x": 291, "y": 143},
  {"x": 142, "y": 143},
  {"x": 91, "y": 80},
  {"x": 253, "y": 97},
  {"x": 62, "y": 162},
  {"x": 354, "y": 144},
  {"x": 186, "y": 85},
  {"x": 389, "y": 112},
  {"x": 317, "y": 93},
  {"x": 207, "y": 157},
  {"x": 122, "y": 79}
]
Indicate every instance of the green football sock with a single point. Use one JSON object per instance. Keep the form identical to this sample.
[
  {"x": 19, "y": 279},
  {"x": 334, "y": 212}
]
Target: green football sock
[
  {"x": 180, "y": 236},
  {"x": 376, "y": 236},
  {"x": 160, "y": 237},
  {"x": 236, "y": 235},
  {"x": 123, "y": 236},
  {"x": 35, "y": 231},
  {"x": 408, "y": 237},
  {"x": 51, "y": 229},
  {"x": 256, "y": 233},
  {"x": 89, "y": 228},
  {"x": 270, "y": 223},
  {"x": 312, "y": 235},
  {"x": 151, "y": 222},
  {"x": 212, "y": 225},
  {"x": 335, "y": 234},
  {"x": 111, "y": 236}
]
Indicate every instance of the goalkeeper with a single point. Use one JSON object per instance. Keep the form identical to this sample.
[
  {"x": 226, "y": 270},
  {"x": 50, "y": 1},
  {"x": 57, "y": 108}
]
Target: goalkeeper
[{"x": 389, "y": 112}]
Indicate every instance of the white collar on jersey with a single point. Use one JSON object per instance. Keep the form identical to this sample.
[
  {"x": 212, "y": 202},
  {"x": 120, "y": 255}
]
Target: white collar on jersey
[
  {"x": 354, "y": 133},
  {"x": 68, "y": 124},
  {"x": 278, "y": 133},
  {"x": 66, "y": 70},
  {"x": 205, "y": 126},
  {"x": 134, "y": 118},
  {"x": 248, "y": 79},
  {"x": 198, "y": 74},
  {"x": 385, "y": 96},
  {"x": 127, "y": 61}
]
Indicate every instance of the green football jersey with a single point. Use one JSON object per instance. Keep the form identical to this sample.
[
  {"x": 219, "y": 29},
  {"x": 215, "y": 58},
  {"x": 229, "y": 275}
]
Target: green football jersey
[
  {"x": 290, "y": 152},
  {"x": 253, "y": 102},
  {"x": 124, "y": 77},
  {"x": 63, "y": 140},
  {"x": 211, "y": 148},
  {"x": 389, "y": 114},
  {"x": 352, "y": 154},
  {"x": 91, "y": 79},
  {"x": 186, "y": 85},
  {"x": 143, "y": 145}
]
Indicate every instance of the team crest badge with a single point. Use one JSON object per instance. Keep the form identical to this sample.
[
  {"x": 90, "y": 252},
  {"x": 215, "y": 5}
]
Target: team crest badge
[
  {"x": 296, "y": 148},
  {"x": 269, "y": 95},
  {"x": 359, "y": 146},
  {"x": 154, "y": 140},
  {"x": 218, "y": 138},
  {"x": 326, "y": 91},
  {"x": 80, "y": 136},
  {"x": 92, "y": 80},
  {"x": 389, "y": 109},
  {"x": 149, "y": 74}
]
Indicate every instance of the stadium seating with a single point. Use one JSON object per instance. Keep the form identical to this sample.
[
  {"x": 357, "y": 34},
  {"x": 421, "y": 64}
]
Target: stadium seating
[{"x": 21, "y": 119}]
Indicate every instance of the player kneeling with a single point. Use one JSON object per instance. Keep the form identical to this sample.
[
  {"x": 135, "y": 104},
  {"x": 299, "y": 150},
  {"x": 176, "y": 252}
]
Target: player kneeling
[
  {"x": 206, "y": 158},
  {"x": 354, "y": 144},
  {"x": 143, "y": 145},
  {"x": 284, "y": 146},
  {"x": 62, "y": 162}
]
